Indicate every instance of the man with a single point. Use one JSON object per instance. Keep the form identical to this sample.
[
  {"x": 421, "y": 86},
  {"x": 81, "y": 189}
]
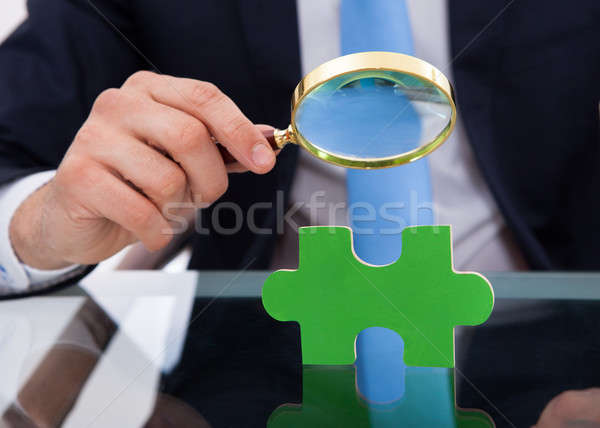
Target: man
[
  {"x": 123, "y": 156},
  {"x": 517, "y": 122}
]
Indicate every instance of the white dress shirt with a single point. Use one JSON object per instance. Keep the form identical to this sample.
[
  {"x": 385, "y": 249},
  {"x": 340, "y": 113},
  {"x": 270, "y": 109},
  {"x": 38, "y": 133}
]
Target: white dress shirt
[
  {"x": 16, "y": 277},
  {"x": 461, "y": 198}
]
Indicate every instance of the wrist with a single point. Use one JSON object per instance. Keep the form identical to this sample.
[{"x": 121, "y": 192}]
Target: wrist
[{"x": 26, "y": 233}]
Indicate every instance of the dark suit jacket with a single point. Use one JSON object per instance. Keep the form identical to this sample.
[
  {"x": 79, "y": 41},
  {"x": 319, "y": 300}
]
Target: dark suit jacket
[
  {"x": 527, "y": 80},
  {"x": 527, "y": 77}
]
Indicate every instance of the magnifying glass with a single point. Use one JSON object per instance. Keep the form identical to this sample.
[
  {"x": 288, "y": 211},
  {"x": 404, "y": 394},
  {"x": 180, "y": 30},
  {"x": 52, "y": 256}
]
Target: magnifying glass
[{"x": 370, "y": 110}]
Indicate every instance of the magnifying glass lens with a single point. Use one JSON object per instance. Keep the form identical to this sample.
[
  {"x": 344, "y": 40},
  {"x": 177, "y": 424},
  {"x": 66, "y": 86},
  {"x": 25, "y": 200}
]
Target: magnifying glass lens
[{"x": 373, "y": 114}]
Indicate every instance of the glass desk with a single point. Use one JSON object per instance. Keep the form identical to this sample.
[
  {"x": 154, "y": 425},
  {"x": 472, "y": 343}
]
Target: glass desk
[{"x": 133, "y": 349}]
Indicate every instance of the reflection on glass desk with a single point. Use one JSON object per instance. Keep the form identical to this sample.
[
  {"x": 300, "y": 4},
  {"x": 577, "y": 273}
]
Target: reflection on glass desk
[{"x": 151, "y": 349}]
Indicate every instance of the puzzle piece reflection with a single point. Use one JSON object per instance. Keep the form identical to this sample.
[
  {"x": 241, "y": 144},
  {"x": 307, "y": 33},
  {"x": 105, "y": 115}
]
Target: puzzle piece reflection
[
  {"x": 380, "y": 368},
  {"x": 330, "y": 399}
]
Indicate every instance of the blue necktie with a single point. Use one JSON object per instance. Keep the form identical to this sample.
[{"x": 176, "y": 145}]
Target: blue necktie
[{"x": 399, "y": 196}]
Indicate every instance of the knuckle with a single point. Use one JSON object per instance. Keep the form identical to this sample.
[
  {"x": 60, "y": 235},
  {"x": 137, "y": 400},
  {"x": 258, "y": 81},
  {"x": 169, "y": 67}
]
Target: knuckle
[
  {"x": 173, "y": 182},
  {"x": 566, "y": 403},
  {"x": 204, "y": 93},
  {"x": 160, "y": 241},
  {"x": 216, "y": 190},
  {"x": 222, "y": 185},
  {"x": 141, "y": 217},
  {"x": 108, "y": 101},
  {"x": 76, "y": 170},
  {"x": 237, "y": 128},
  {"x": 89, "y": 133},
  {"x": 188, "y": 137},
  {"x": 139, "y": 77},
  {"x": 88, "y": 177}
]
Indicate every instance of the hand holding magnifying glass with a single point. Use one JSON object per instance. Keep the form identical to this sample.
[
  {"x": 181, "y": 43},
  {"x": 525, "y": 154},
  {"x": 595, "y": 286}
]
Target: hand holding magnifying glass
[
  {"x": 366, "y": 110},
  {"x": 370, "y": 110}
]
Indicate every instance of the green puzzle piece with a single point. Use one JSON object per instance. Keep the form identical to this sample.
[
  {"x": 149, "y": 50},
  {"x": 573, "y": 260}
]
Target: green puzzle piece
[{"x": 334, "y": 296}]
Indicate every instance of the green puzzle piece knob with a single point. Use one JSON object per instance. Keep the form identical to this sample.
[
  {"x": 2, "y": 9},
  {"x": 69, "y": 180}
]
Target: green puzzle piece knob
[{"x": 334, "y": 296}]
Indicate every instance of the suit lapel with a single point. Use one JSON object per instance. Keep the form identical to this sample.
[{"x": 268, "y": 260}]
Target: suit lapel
[
  {"x": 271, "y": 51},
  {"x": 475, "y": 60},
  {"x": 272, "y": 43},
  {"x": 477, "y": 33}
]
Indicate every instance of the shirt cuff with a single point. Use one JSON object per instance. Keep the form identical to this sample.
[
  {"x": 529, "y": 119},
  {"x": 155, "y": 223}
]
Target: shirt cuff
[{"x": 16, "y": 277}]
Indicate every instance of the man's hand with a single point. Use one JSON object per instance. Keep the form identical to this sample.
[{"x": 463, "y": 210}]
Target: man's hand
[
  {"x": 572, "y": 409},
  {"x": 144, "y": 146}
]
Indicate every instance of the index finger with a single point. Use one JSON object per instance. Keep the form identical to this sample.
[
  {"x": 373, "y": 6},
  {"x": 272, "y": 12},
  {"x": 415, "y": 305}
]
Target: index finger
[{"x": 219, "y": 113}]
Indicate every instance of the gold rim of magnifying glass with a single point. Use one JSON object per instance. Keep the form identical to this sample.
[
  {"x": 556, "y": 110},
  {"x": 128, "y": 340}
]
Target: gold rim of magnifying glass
[{"x": 369, "y": 61}]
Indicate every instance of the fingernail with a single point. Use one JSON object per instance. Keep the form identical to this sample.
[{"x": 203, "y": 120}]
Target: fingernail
[{"x": 262, "y": 155}]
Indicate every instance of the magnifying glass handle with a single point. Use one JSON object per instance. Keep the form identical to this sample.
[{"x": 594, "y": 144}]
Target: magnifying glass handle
[{"x": 269, "y": 135}]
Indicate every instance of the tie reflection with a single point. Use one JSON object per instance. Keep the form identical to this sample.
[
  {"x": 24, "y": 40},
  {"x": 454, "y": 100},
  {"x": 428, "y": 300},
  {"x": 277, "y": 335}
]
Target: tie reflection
[{"x": 331, "y": 399}]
